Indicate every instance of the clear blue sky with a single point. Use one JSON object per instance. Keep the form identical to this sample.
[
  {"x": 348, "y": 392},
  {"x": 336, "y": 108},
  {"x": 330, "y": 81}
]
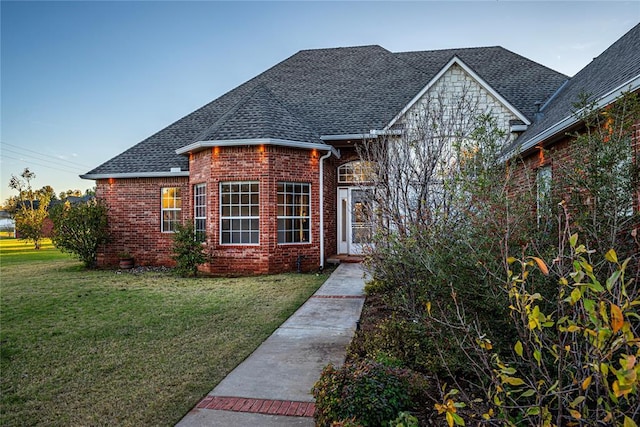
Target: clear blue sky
[{"x": 83, "y": 81}]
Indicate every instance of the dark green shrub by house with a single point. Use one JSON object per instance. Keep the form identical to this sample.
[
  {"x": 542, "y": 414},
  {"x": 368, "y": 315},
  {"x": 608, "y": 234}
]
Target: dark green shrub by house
[
  {"x": 365, "y": 393},
  {"x": 188, "y": 252}
]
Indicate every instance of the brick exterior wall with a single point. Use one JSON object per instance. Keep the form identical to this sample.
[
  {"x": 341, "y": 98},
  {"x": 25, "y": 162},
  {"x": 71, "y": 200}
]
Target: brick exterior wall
[
  {"x": 267, "y": 165},
  {"x": 135, "y": 210},
  {"x": 560, "y": 156},
  {"x": 135, "y": 218}
]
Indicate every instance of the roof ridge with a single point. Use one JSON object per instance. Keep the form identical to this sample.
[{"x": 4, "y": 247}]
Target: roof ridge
[
  {"x": 343, "y": 48},
  {"x": 228, "y": 114},
  {"x": 452, "y": 48},
  {"x": 291, "y": 113},
  {"x": 271, "y": 98}
]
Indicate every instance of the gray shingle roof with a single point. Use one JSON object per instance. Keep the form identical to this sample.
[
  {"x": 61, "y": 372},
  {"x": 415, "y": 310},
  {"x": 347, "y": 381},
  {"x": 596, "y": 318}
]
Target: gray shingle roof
[
  {"x": 330, "y": 92},
  {"x": 259, "y": 115},
  {"x": 615, "y": 66}
]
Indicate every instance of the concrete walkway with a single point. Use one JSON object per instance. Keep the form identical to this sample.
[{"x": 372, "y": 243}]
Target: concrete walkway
[{"x": 272, "y": 387}]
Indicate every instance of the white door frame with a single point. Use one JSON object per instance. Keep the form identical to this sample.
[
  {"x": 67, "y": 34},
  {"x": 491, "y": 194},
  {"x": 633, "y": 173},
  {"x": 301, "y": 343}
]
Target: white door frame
[{"x": 346, "y": 244}]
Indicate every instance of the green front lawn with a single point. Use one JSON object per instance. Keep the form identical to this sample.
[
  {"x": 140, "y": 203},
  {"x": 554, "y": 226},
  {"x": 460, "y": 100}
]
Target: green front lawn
[{"x": 95, "y": 348}]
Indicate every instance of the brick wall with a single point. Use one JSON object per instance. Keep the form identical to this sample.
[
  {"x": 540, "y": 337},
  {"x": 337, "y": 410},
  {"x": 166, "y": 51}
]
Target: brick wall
[
  {"x": 267, "y": 165},
  {"x": 560, "y": 155},
  {"x": 134, "y": 219},
  {"x": 135, "y": 215}
]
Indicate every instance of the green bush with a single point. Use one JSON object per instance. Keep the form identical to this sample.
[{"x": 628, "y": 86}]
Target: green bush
[
  {"x": 367, "y": 393},
  {"x": 404, "y": 419},
  {"x": 399, "y": 342},
  {"x": 80, "y": 229},
  {"x": 575, "y": 364},
  {"x": 188, "y": 253}
]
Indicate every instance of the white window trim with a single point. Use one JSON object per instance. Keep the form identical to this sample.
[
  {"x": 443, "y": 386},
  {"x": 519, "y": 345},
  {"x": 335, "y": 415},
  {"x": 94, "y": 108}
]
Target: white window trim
[
  {"x": 359, "y": 168},
  {"x": 544, "y": 181},
  {"x": 308, "y": 217},
  {"x": 163, "y": 209},
  {"x": 237, "y": 217},
  {"x": 196, "y": 206}
]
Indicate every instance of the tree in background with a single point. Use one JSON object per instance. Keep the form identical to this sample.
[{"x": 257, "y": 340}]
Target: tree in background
[
  {"x": 80, "y": 228},
  {"x": 31, "y": 208},
  {"x": 70, "y": 193}
]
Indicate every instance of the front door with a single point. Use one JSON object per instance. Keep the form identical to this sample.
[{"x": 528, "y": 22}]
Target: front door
[{"x": 354, "y": 226}]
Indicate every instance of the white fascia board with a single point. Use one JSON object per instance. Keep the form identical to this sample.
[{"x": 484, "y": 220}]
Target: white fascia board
[
  {"x": 200, "y": 145},
  {"x": 373, "y": 133},
  {"x": 468, "y": 70},
  {"x": 134, "y": 175},
  {"x": 564, "y": 124},
  {"x": 346, "y": 136}
]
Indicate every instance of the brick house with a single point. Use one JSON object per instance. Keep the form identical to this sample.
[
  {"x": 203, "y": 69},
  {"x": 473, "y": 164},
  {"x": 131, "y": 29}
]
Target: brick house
[{"x": 268, "y": 172}]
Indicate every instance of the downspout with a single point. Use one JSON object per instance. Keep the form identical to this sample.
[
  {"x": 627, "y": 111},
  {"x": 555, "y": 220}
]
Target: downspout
[{"x": 322, "y": 159}]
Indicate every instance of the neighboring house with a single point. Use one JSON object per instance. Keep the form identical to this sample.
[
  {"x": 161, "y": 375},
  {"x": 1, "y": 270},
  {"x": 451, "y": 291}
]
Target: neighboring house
[
  {"x": 268, "y": 172},
  {"x": 7, "y": 223}
]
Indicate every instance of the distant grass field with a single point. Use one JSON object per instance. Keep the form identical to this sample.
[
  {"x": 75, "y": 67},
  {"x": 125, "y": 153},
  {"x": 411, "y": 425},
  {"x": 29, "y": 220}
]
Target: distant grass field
[
  {"x": 20, "y": 251},
  {"x": 96, "y": 348}
]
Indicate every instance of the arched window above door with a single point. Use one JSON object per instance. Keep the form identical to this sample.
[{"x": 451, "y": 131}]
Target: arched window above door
[{"x": 356, "y": 172}]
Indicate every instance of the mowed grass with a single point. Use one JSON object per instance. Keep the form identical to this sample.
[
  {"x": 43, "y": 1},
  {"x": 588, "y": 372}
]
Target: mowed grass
[{"x": 97, "y": 348}]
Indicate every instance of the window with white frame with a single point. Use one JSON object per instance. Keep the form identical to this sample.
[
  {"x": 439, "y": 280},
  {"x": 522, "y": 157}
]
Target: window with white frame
[
  {"x": 543, "y": 200},
  {"x": 294, "y": 206},
  {"x": 356, "y": 172},
  {"x": 171, "y": 209},
  {"x": 200, "y": 211},
  {"x": 239, "y": 213}
]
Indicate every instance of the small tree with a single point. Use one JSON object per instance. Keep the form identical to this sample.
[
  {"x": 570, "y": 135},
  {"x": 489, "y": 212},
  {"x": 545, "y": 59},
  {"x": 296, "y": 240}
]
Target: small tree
[
  {"x": 32, "y": 207},
  {"x": 80, "y": 229},
  {"x": 188, "y": 252}
]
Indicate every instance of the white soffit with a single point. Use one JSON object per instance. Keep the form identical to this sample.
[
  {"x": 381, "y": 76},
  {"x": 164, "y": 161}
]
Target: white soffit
[{"x": 457, "y": 61}]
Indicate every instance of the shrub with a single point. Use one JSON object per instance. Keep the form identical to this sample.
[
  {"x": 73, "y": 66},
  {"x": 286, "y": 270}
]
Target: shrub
[
  {"x": 399, "y": 342},
  {"x": 80, "y": 229},
  {"x": 188, "y": 252},
  {"x": 366, "y": 393},
  {"x": 576, "y": 364}
]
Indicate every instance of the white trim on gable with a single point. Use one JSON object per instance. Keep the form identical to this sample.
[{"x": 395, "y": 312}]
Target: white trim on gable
[{"x": 457, "y": 61}]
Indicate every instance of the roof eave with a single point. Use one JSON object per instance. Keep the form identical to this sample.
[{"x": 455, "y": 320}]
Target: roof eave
[
  {"x": 202, "y": 145},
  {"x": 569, "y": 121},
  {"x": 120, "y": 175}
]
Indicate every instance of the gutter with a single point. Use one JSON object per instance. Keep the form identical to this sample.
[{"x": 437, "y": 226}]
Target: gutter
[
  {"x": 201, "y": 145},
  {"x": 135, "y": 175},
  {"x": 322, "y": 159},
  {"x": 564, "y": 124},
  {"x": 374, "y": 133}
]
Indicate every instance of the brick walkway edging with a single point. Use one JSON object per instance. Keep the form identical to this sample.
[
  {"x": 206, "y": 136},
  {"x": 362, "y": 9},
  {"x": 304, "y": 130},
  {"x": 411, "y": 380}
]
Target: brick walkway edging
[{"x": 258, "y": 406}]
